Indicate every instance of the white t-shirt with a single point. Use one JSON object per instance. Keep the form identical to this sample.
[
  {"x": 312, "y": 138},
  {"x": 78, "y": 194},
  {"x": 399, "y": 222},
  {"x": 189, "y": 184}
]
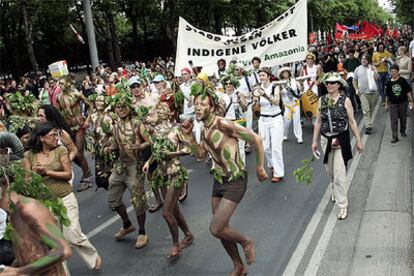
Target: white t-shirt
[
  {"x": 245, "y": 83},
  {"x": 3, "y": 222},
  {"x": 186, "y": 89},
  {"x": 266, "y": 108},
  {"x": 411, "y": 48}
]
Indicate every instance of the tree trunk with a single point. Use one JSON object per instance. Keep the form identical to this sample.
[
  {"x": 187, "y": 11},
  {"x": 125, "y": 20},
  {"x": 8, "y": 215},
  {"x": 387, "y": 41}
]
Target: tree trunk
[
  {"x": 27, "y": 24},
  {"x": 170, "y": 32},
  {"x": 114, "y": 38}
]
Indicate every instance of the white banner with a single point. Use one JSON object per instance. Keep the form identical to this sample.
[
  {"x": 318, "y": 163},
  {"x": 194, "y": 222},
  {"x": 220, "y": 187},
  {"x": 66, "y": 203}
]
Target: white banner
[{"x": 281, "y": 41}]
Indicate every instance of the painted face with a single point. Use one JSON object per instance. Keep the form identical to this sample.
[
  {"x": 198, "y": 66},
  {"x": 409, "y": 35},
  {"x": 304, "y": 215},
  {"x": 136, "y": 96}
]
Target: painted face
[
  {"x": 100, "y": 103},
  {"x": 263, "y": 76},
  {"x": 51, "y": 139},
  {"x": 202, "y": 108},
  {"x": 163, "y": 112},
  {"x": 122, "y": 110},
  {"x": 41, "y": 116}
]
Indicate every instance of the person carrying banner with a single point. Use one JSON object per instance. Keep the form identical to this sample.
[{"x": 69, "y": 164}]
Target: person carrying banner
[
  {"x": 290, "y": 97},
  {"x": 254, "y": 76},
  {"x": 220, "y": 138},
  {"x": 271, "y": 123}
]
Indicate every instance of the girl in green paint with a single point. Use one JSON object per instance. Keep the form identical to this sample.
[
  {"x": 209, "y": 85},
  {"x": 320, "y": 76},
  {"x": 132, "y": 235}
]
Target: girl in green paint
[{"x": 170, "y": 175}]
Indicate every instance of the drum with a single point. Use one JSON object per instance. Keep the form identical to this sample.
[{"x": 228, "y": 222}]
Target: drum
[{"x": 309, "y": 102}]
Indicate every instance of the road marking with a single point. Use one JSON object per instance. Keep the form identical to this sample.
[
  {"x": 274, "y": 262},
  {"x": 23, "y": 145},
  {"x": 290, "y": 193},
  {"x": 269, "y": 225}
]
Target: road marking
[
  {"x": 307, "y": 236},
  {"x": 322, "y": 244},
  {"x": 106, "y": 224}
]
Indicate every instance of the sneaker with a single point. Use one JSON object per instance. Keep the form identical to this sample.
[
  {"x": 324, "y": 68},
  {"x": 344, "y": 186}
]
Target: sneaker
[
  {"x": 142, "y": 241},
  {"x": 299, "y": 141},
  {"x": 333, "y": 197},
  {"x": 394, "y": 140},
  {"x": 247, "y": 149},
  {"x": 285, "y": 138},
  {"x": 403, "y": 134},
  {"x": 85, "y": 184},
  {"x": 368, "y": 130},
  {"x": 123, "y": 232},
  {"x": 342, "y": 214}
]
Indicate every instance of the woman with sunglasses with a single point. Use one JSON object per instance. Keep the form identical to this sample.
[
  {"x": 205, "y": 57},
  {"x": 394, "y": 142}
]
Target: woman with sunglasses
[
  {"x": 47, "y": 158},
  {"x": 334, "y": 119}
]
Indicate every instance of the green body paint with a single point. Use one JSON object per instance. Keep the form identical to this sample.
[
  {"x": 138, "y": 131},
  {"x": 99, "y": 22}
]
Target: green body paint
[
  {"x": 46, "y": 260},
  {"x": 54, "y": 230},
  {"x": 227, "y": 154},
  {"x": 245, "y": 136},
  {"x": 49, "y": 242},
  {"x": 233, "y": 167},
  {"x": 216, "y": 137},
  {"x": 194, "y": 149}
]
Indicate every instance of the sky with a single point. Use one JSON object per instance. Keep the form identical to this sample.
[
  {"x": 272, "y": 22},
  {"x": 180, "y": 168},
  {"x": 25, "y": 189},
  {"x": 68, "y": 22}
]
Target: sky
[{"x": 385, "y": 4}]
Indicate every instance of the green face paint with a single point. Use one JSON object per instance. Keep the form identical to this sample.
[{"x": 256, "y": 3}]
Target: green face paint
[
  {"x": 54, "y": 230},
  {"x": 25, "y": 200},
  {"x": 216, "y": 137},
  {"x": 49, "y": 242},
  {"x": 246, "y": 137},
  {"x": 46, "y": 260}
]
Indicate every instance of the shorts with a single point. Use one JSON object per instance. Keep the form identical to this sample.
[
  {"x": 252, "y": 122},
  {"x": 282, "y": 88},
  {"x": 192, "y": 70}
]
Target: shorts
[
  {"x": 231, "y": 190},
  {"x": 132, "y": 179}
]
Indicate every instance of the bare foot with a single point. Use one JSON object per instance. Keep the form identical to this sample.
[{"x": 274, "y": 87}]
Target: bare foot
[
  {"x": 98, "y": 264},
  {"x": 239, "y": 271},
  {"x": 248, "y": 249},
  {"x": 188, "y": 239},
  {"x": 175, "y": 251}
]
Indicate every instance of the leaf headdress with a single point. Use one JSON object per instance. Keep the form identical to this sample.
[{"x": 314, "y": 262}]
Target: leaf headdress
[{"x": 199, "y": 88}]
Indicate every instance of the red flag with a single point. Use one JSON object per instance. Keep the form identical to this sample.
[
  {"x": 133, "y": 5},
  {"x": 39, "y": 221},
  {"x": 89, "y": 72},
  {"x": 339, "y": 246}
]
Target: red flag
[
  {"x": 340, "y": 30},
  {"x": 395, "y": 33},
  {"x": 312, "y": 38},
  {"x": 369, "y": 29}
]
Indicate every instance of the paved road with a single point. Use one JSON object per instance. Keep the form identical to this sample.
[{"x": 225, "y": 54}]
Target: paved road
[{"x": 275, "y": 215}]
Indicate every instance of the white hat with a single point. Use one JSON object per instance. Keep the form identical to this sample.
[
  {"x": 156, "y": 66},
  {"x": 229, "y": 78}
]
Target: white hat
[
  {"x": 335, "y": 77},
  {"x": 240, "y": 65},
  {"x": 283, "y": 69}
]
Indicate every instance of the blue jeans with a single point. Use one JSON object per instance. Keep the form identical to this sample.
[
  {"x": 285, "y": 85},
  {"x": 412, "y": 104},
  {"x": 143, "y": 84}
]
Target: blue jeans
[{"x": 384, "y": 77}]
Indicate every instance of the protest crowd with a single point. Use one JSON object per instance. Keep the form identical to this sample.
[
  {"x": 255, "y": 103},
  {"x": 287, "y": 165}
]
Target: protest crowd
[{"x": 138, "y": 119}]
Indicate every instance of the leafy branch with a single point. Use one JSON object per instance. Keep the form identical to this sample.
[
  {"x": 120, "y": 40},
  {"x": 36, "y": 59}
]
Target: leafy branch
[{"x": 304, "y": 174}]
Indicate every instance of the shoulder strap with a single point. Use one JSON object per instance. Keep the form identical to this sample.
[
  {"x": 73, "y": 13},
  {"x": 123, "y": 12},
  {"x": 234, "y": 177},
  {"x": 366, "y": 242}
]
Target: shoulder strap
[
  {"x": 248, "y": 83},
  {"x": 228, "y": 107}
]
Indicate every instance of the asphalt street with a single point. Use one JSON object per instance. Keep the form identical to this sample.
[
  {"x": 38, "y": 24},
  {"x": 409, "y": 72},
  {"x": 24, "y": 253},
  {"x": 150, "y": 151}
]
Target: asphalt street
[{"x": 274, "y": 215}]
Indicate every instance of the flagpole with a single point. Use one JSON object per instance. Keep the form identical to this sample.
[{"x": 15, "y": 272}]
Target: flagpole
[{"x": 93, "y": 51}]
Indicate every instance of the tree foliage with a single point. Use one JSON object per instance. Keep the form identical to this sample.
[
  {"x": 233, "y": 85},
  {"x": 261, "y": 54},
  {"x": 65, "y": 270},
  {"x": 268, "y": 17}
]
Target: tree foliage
[
  {"x": 141, "y": 29},
  {"x": 404, "y": 10}
]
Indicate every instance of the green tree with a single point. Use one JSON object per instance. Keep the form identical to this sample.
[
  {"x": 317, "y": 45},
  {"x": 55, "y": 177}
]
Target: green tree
[{"x": 404, "y": 10}]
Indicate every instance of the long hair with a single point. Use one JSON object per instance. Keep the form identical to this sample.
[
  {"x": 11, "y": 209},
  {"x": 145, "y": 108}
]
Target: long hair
[
  {"x": 53, "y": 115},
  {"x": 34, "y": 144}
]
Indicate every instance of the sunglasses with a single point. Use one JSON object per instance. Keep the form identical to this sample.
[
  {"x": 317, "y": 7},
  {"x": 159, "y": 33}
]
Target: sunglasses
[
  {"x": 156, "y": 82},
  {"x": 228, "y": 83},
  {"x": 135, "y": 86}
]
